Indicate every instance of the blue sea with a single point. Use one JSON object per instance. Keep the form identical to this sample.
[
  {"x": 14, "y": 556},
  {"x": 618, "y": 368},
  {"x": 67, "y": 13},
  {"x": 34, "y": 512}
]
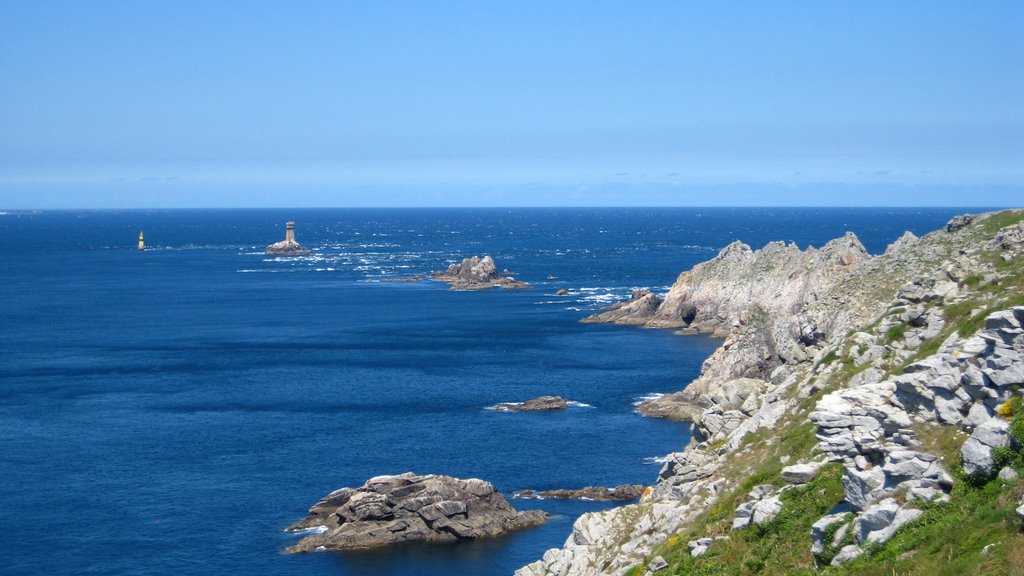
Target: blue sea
[{"x": 172, "y": 411}]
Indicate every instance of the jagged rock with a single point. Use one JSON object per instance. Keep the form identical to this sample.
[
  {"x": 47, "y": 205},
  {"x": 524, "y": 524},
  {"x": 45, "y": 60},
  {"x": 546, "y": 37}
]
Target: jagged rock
[
  {"x": 537, "y": 404},
  {"x": 1008, "y": 237},
  {"x": 477, "y": 274},
  {"x": 802, "y": 473},
  {"x": 622, "y": 492},
  {"x": 760, "y": 509},
  {"x": 641, "y": 306},
  {"x": 657, "y": 564},
  {"x": 779, "y": 278},
  {"x": 878, "y": 523},
  {"x": 960, "y": 222},
  {"x": 977, "y": 450},
  {"x": 699, "y": 547},
  {"x": 908, "y": 239},
  {"x": 820, "y": 528},
  {"x": 561, "y": 292},
  {"x": 410, "y": 508}
]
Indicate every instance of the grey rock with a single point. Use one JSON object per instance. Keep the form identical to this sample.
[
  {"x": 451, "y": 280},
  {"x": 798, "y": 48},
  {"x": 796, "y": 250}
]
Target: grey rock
[
  {"x": 860, "y": 485},
  {"x": 960, "y": 222},
  {"x": 561, "y": 292},
  {"x": 766, "y": 510},
  {"x": 699, "y": 547},
  {"x": 802, "y": 473},
  {"x": 639, "y": 309},
  {"x": 820, "y": 528},
  {"x": 410, "y": 508},
  {"x": 1008, "y": 474},
  {"x": 846, "y": 554},
  {"x": 657, "y": 564},
  {"x": 477, "y": 274},
  {"x": 540, "y": 403},
  {"x": 977, "y": 450},
  {"x": 599, "y": 493}
]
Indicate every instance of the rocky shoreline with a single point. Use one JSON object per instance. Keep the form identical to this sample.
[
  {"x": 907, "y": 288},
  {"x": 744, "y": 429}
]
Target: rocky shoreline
[{"x": 840, "y": 373}]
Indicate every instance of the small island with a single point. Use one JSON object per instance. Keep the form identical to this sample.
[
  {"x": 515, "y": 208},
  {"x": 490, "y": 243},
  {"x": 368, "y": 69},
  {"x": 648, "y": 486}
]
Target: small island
[
  {"x": 410, "y": 508},
  {"x": 535, "y": 405},
  {"x": 477, "y": 274},
  {"x": 288, "y": 246}
]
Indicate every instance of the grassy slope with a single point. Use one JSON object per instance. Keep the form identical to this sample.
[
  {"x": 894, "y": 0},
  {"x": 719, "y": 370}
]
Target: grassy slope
[{"x": 976, "y": 532}]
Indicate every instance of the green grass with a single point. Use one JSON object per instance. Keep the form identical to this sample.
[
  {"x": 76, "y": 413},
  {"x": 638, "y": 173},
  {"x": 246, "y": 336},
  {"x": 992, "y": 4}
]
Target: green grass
[
  {"x": 997, "y": 222},
  {"x": 895, "y": 333},
  {"x": 948, "y": 538},
  {"x": 781, "y": 547}
]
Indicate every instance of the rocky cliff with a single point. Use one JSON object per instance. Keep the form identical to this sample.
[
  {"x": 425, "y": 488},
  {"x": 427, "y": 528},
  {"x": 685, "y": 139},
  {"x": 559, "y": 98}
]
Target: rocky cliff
[{"x": 863, "y": 413}]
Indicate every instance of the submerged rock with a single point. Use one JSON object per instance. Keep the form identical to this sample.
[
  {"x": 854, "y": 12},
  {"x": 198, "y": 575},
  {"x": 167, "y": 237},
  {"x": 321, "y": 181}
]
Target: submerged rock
[
  {"x": 622, "y": 492},
  {"x": 410, "y": 508},
  {"x": 477, "y": 274},
  {"x": 537, "y": 404}
]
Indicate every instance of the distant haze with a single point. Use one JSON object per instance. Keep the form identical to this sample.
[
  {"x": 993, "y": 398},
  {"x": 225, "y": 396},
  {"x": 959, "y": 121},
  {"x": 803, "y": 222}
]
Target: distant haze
[{"x": 272, "y": 103}]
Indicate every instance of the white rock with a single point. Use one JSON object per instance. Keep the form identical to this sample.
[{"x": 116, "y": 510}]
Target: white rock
[
  {"x": 802, "y": 473},
  {"x": 846, "y": 554},
  {"x": 1008, "y": 474}
]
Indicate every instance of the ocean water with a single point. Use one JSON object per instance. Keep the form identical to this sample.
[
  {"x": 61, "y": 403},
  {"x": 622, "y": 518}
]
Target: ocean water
[{"x": 172, "y": 411}]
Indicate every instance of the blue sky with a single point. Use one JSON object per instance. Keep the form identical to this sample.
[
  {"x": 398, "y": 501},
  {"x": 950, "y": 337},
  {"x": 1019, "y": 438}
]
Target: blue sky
[{"x": 168, "y": 104}]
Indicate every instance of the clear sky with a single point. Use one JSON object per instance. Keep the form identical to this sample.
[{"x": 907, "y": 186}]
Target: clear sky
[{"x": 423, "y": 103}]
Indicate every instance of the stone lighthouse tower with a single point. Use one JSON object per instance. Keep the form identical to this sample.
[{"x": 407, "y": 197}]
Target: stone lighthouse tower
[
  {"x": 288, "y": 246},
  {"x": 142, "y": 242}
]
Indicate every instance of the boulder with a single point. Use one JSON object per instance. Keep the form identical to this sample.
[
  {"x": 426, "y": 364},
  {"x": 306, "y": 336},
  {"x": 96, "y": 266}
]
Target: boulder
[
  {"x": 801, "y": 473},
  {"x": 410, "y": 508},
  {"x": 977, "y": 450}
]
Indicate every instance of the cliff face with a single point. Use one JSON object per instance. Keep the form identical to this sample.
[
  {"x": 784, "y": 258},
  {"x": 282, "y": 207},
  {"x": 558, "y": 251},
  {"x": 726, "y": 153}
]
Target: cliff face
[{"x": 873, "y": 397}]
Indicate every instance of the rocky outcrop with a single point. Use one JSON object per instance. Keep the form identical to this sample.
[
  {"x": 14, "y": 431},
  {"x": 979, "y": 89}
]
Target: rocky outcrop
[
  {"x": 714, "y": 296},
  {"x": 410, "y": 508},
  {"x": 477, "y": 274},
  {"x": 642, "y": 305},
  {"x": 537, "y": 404},
  {"x": 601, "y": 493},
  {"x": 758, "y": 300}
]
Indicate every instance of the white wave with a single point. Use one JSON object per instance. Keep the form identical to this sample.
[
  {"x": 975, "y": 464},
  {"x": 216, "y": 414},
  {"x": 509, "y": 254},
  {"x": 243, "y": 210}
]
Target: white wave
[
  {"x": 519, "y": 496},
  {"x": 646, "y": 398},
  {"x": 311, "y": 530},
  {"x": 576, "y": 404},
  {"x": 656, "y": 460},
  {"x": 502, "y": 406},
  {"x": 602, "y": 298},
  {"x": 574, "y": 309}
]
